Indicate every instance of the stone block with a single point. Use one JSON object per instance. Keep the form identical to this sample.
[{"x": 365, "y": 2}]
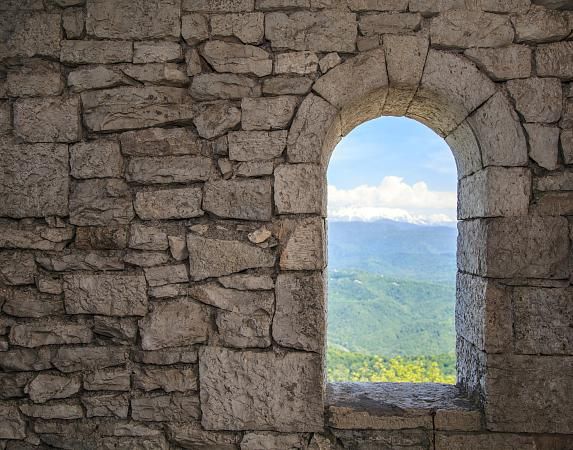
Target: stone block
[
  {"x": 466, "y": 150},
  {"x": 389, "y": 23},
  {"x": 38, "y": 334},
  {"x": 254, "y": 168},
  {"x": 154, "y": 73},
  {"x": 73, "y": 22},
  {"x": 96, "y": 52},
  {"x": 114, "y": 405},
  {"x": 269, "y": 113},
  {"x": 221, "y": 6},
  {"x": 287, "y": 85},
  {"x": 107, "y": 380},
  {"x": 142, "y": 237},
  {"x": 116, "y": 330},
  {"x": 80, "y": 261},
  {"x": 543, "y": 144},
  {"x": 325, "y": 31},
  {"x": 257, "y": 440},
  {"x": 96, "y": 159},
  {"x": 54, "y": 119},
  {"x": 537, "y": 99},
  {"x": 166, "y": 408},
  {"x": 133, "y": 19},
  {"x": 105, "y": 294},
  {"x": 100, "y": 202},
  {"x": 146, "y": 259},
  {"x": 237, "y": 58},
  {"x": 35, "y": 78},
  {"x": 567, "y": 146},
  {"x": 304, "y": 245},
  {"x": 169, "y": 169},
  {"x": 300, "y": 63},
  {"x": 192, "y": 435},
  {"x": 160, "y": 276},
  {"x": 95, "y": 77},
  {"x": 169, "y": 204},
  {"x": 101, "y": 238},
  {"x": 541, "y": 25},
  {"x": 557, "y": 181},
  {"x": 212, "y": 86},
  {"x": 26, "y": 359},
  {"x": 175, "y": 323},
  {"x": 30, "y": 303},
  {"x": 17, "y": 268},
  {"x": 156, "y": 52},
  {"x": 256, "y": 145},
  {"x": 299, "y": 189},
  {"x": 278, "y": 391},
  {"x": 46, "y": 387},
  {"x": 247, "y": 282},
  {"x": 247, "y": 27},
  {"x": 216, "y": 257},
  {"x": 64, "y": 411},
  {"x": 239, "y": 199},
  {"x": 168, "y": 379},
  {"x": 462, "y": 441},
  {"x": 384, "y": 439},
  {"x": 216, "y": 119},
  {"x": 48, "y": 285},
  {"x": 73, "y": 359},
  {"x": 12, "y": 385},
  {"x": 160, "y": 142},
  {"x": 506, "y": 63},
  {"x": 378, "y": 5},
  {"x": 36, "y": 237},
  {"x": 28, "y": 34},
  {"x": 554, "y": 60},
  {"x": 494, "y": 192},
  {"x": 194, "y": 28}
]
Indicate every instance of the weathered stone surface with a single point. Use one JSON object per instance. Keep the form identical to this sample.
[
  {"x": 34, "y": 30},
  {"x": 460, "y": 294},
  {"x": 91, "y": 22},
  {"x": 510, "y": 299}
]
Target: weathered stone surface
[
  {"x": 194, "y": 62},
  {"x": 30, "y": 303},
  {"x": 48, "y": 285},
  {"x": 267, "y": 113},
  {"x": 567, "y": 146},
  {"x": 81, "y": 261},
  {"x": 66, "y": 411},
  {"x": 118, "y": 330},
  {"x": 154, "y": 73},
  {"x": 529, "y": 247},
  {"x": 216, "y": 119},
  {"x": 300, "y": 318},
  {"x": 554, "y": 204},
  {"x": 537, "y": 99},
  {"x": 156, "y": 52},
  {"x": 254, "y": 168},
  {"x": 95, "y": 77},
  {"x": 54, "y": 119},
  {"x": 239, "y": 199},
  {"x": 35, "y": 335},
  {"x": 172, "y": 408},
  {"x": 389, "y": 23},
  {"x": 73, "y": 22},
  {"x": 463, "y": 29},
  {"x": 304, "y": 247},
  {"x": 216, "y": 257},
  {"x": 300, "y": 63},
  {"x": 96, "y": 52},
  {"x": 36, "y": 237},
  {"x": 30, "y": 34},
  {"x": 327, "y": 31},
  {"x": 255, "y": 440},
  {"x": 12, "y": 425},
  {"x": 558, "y": 181},
  {"x": 105, "y": 294},
  {"x": 543, "y": 145},
  {"x": 299, "y": 188},
  {"x": 256, "y": 145},
  {"x": 237, "y": 58},
  {"x": 272, "y": 401},
  {"x": 128, "y": 19},
  {"x": 329, "y": 61},
  {"x": 160, "y": 142},
  {"x": 169, "y": 169},
  {"x": 513, "y": 61},
  {"x": 225, "y": 6},
  {"x": 107, "y": 380},
  {"x": 495, "y": 191},
  {"x": 96, "y": 159},
  {"x": 144, "y": 237},
  {"x": 168, "y": 380},
  {"x": 106, "y": 406},
  {"x": 194, "y": 28},
  {"x": 101, "y": 238},
  {"x": 178, "y": 248},
  {"x": 146, "y": 259},
  {"x": 185, "y": 355},
  {"x": 174, "y": 323},
  {"x": 308, "y": 139},
  {"x": 541, "y": 25},
  {"x": 287, "y": 85},
  {"x": 192, "y": 435},
  {"x": 47, "y": 387},
  {"x": 554, "y": 60},
  {"x": 73, "y": 359},
  {"x": 461, "y": 441},
  {"x": 100, "y": 202},
  {"x": 211, "y": 86},
  {"x": 35, "y": 78},
  {"x": 159, "y": 276},
  {"x": 17, "y": 268},
  {"x": 378, "y": 5},
  {"x": 169, "y": 204},
  {"x": 26, "y": 359},
  {"x": 247, "y": 282},
  {"x": 12, "y": 385},
  {"x": 247, "y": 27},
  {"x": 499, "y": 149}
]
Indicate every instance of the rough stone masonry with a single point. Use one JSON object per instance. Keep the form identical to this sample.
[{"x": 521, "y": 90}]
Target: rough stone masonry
[{"x": 163, "y": 205}]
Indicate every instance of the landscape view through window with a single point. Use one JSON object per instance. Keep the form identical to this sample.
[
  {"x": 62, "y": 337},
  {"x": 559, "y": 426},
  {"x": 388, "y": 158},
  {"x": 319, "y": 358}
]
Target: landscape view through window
[{"x": 392, "y": 255}]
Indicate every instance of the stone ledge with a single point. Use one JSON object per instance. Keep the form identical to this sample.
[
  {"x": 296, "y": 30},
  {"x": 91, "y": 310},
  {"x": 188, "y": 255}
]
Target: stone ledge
[{"x": 385, "y": 406}]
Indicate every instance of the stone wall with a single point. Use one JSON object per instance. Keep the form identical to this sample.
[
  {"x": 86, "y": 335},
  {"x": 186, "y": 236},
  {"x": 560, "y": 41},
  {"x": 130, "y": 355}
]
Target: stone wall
[{"x": 162, "y": 233}]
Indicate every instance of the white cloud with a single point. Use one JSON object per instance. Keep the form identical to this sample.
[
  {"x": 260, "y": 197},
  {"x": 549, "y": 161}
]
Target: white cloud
[{"x": 392, "y": 199}]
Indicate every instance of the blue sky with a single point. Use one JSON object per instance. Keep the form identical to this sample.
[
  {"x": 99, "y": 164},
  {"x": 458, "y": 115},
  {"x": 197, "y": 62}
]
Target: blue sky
[{"x": 393, "y": 167}]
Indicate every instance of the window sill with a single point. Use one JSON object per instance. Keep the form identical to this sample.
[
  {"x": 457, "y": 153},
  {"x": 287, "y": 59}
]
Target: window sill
[{"x": 393, "y": 406}]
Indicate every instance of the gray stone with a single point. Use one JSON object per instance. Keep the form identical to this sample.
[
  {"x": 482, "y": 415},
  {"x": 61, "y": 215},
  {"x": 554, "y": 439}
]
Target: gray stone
[
  {"x": 30, "y": 303},
  {"x": 169, "y": 169},
  {"x": 378, "y": 5},
  {"x": 513, "y": 61},
  {"x": 47, "y": 387},
  {"x": 192, "y": 435},
  {"x": 96, "y": 159},
  {"x": 101, "y": 238},
  {"x": 304, "y": 245},
  {"x": 48, "y": 285},
  {"x": 237, "y": 58},
  {"x": 73, "y": 22},
  {"x": 30, "y": 34},
  {"x": 37, "y": 237},
  {"x": 119, "y": 330},
  {"x": 128, "y": 19},
  {"x": 216, "y": 257},
  {"x": 174, "y": 323},
  {"x": 160, "y": 142},
  {"x": 12, "y": 425},
  {"x": 17, "y": 268},
  {"x": 329, "y": 61},
  {"x": 35, "y": 78},
  {"x": 146, "y": 259},
  {"x": 543, "y": 145},
  {"x": 73, "y": 359},
  {"x": 256, "y": 440},
  {"x": 107, "y": 380},
  {"x": 106, "y": 406},
  {"x": 216, "y": 119},
  {"x": 554, "y": 204},
  {"x": 558, "y": 181},
  {"x": 64, "y": 411},
  {"x": 37, "y": 334},
  {"x": 256, "y": 145},
  {"x": 299, "y": 188},
  {"x": 54, "y": 119},
  {"x": 554, "y": 60},
  {"x": 125, "y": 108},
  {"x": 389, "y": 23},
  {"x": 142, "y": 237},
  {"x": 160, "y": 276},
  {"x": 247, "y": 282},
  {"x": 287, "y": 85},
  {"x": 300, "y": 318},
  {"x": 12, "y": 385},
  {"x": 96, "y": 52},
  {"x": 81, "y": 261},
  {"x": 254, "y": 168},
  {"x": 301, "y": 63},
  {"x": 156, "y": 52},
  {"x": 169, "y": 204},
  {"x": 247, "y": 27},
  {"x": 218, "y": 6},
  {"x": 327, "y": 31},
  {"x": 239, "y": 199},
  {"x": 168, "y": 380},
  {"x": 288, "y": 397},
  {"x": 537, "y": 99},
  {"x": 567, "y": 146},
  {"x": 541, "y": 25},
  {"x": 194, "y": 63},
  {"x": 270, "y": 113},
  {"x": 95, "y": 77},
  {"x": 178, "y": 248},
  {"x": 461, "y": 441},
  {"x": 105, "y": 294},
  {"x": 100, "y": 202},
  {"x": 26, "y": 359},
  {"x": 185, "y": 355},
  {"x": 211, "y": 86},
  {"x": 154, "y": 73},
  {"x": 194, "y": 28},
  {"x": 172, "y": 408}
]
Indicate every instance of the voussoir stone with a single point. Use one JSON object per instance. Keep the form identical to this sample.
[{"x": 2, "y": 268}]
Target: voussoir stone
[
  {"x": 211, "y": 86},
  {"x": 169, "y": 169},
  {"x": 272, "y": 400},
  {"x": 269, "y": 113},
  {"x": 216, "y": 257},
  {"x": 247, "y": 27},
  {"x": 237, "y": 58},
  {"x": 513, "y": 61},
  {"x": 96, "y": 52},
  {"x": 256, "y": 145},
  {"x": 96, "y": 159},
  {"x": 47, "y": 387},
  {"x": 299, "y": 188},
  {"x": 327, "y": 31},
  {"x": 100, "y": 202},
  {"x": 554, "y": 60},
  {"x": 239, "y": 199},
  {"x": 169, "y": 203},
  {"x": 216, "y": 119},
  {"x": 174, "y": 323},
  {"x": 105, "y": 294},
  {"x": 35, "y": 335},
  {"x": 537, "y": 99},
  {"x": 543, "y": 144}
]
